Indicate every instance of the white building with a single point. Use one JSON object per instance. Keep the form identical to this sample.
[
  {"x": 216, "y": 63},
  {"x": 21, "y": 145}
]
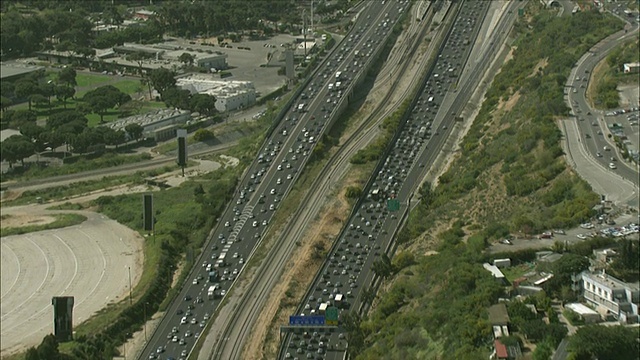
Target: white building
[
  {"x": 494, "y": 271},
  {"x": 608, "y": 294},
  {"x": 631, "y": 67},
  {"x": 587, "y": 314},
  {"x": 160, "y": 125},
  {"x": 230, "y": 95}
]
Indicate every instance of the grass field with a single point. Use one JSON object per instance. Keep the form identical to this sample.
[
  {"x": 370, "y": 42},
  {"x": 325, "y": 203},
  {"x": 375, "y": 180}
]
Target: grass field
[{"x": 86, "y": 81}]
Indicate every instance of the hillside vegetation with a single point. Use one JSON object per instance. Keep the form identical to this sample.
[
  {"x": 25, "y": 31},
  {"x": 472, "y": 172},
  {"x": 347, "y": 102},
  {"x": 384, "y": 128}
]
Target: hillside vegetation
[{"x": 510, "y": 177}]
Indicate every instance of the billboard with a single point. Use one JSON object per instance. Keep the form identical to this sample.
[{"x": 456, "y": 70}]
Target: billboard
[{"x": 63, "y": 317}]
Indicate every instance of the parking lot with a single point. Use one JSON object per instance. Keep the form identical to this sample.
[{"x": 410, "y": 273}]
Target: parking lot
[
  {"x": 250, "y": 65},
  {"x": 623, "y": 122}
]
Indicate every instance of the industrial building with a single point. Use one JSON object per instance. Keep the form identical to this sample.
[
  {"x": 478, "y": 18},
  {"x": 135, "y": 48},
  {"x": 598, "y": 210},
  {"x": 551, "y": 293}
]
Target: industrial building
[
  {"x": 160, "y": 125},
  {"x": 230, "y": 95}
]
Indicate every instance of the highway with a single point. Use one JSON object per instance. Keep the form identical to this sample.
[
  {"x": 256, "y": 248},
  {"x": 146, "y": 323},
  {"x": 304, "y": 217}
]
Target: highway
[
  {"x": 266, "y": 183},
  {"x": 244, "y": 312},
  {"x": 370, "y": 228}
]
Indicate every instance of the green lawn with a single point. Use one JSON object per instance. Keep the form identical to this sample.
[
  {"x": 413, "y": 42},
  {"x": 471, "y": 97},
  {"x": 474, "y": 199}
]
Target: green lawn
[{"x": 85, "y": 79}]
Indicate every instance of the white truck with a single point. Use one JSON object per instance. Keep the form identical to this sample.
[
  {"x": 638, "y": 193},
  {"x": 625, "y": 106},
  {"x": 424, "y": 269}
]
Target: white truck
[
  {"x": 338, "y": 75},
  {"x": 323, "y": 308},
  {"x": 338, "y": 300}
]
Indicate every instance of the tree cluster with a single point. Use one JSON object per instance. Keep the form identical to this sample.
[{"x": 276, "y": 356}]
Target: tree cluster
[{"x": 164, "y": 82}]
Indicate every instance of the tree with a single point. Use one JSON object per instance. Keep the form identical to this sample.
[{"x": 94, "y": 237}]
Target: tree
[
  {"x": 543, "y": 351},
  {"x": 64, "y": 92},
  {"x": 203, "y": 135},
  {"x": 113, "y": 137},
  {"x": 67, "y": 76},
  {"x": 104, "y": 98},
  {"x": 187, "y": 59},
  {"x": 5, "y": 102},
  {"x": 383, "y": 266},
  {"x": 25, "y": 88},
  {"x": 605, "y": 343},
  {"x": 48, "y": 349},
  {"x": 162, "y": 79},
  {"x": 134, "y": 130},
  {"x": 20, "y": 117},
  {"x": 16, "y": 148},
  {"x": 205, "y": 104},
  {"x": 32, "y": 131},
  {"x": 353, "y": 192},
  {"x": 131, "y": 107},
  {"x": 58, "y": 120},
  {"x": 177, "y": 98}
]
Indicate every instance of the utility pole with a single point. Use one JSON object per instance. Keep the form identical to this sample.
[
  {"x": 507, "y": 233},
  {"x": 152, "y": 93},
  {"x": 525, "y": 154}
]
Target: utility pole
[
  {"x": 130, "y": 298},
  {"x": 304, "y": 32},
  {"x": 312, "y": 15}
]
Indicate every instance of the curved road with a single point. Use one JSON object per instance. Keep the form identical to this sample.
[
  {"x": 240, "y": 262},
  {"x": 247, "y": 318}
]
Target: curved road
[{"x": 584, "y": 138}]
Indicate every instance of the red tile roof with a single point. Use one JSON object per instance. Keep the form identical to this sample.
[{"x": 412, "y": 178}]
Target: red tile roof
[{"x": 501, "y": 350}]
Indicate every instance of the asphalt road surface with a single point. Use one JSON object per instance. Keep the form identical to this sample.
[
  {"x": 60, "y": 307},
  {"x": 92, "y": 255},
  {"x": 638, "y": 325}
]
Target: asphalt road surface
[{"x": 268, "y": 180}]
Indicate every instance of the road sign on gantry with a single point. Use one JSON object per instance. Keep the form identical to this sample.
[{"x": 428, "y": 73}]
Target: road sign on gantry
[
  {"x": 306, "y": 320},
  {"x": 331, "y": 316},
  {"x": 393, "y": 204}
]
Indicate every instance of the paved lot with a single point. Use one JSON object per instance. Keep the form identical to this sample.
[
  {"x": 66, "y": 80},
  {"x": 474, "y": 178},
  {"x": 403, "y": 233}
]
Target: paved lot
[
  {"x": 89, "y": 261},
  {"x": 248, "y": 65}
]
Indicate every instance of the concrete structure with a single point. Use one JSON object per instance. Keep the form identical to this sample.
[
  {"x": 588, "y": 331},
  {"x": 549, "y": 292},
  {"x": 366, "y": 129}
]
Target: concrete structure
[
  {"x": 550, "y": 3},
  {"x": 14, "y": 71},
  {"x": 230, "y": 95},
  {"x": 502, "y": 263},
  {"x": 143, "y": 14},
  {"x": 610, "y": 295},
  {"x": 588, "y": 315},
  {"x": 160, "y": 125},
  {"x": 605, "y": 256},
  {"x": 494, "y": 271},
  {"x": 631, "y": 68}
]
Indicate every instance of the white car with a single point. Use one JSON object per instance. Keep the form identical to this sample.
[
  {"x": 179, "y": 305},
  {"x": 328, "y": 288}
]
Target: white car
[{"x": 582, "y": 236}]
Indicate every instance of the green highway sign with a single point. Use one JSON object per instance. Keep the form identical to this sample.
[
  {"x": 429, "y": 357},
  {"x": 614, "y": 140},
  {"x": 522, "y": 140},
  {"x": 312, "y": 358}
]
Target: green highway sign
[
  {"x": 331, "y": 316},
  {"x": 393, "y": 204}
]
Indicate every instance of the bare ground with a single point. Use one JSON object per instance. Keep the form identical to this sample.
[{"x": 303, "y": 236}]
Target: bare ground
[
  {"x": 19, "y": 220},
  {"x": 264, "y": 341}
]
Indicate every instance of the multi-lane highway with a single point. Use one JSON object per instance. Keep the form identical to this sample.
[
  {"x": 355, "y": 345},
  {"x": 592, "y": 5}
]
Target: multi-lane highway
[
  {"x": 267, "y": 181},
  {"x": 369, "y": 229}
]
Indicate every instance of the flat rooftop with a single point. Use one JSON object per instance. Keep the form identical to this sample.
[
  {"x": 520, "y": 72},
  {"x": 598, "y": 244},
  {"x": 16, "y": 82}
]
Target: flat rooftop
[{"x": 8, "y": 70}]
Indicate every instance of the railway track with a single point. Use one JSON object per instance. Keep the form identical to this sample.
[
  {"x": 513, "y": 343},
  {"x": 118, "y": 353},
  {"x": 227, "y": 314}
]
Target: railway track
[{"x": 269, "y": 272}]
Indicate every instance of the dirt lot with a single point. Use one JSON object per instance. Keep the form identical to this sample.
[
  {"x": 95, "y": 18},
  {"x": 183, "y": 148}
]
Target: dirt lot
[{"x": 90, "y": 261}]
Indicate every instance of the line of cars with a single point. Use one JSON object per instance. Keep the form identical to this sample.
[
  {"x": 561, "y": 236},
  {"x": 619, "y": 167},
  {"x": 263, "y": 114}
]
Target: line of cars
[
  {"x": 348, "y": 267},
  {"x": 269, "y": 178},
  {"x": 618, "y": 231}
]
